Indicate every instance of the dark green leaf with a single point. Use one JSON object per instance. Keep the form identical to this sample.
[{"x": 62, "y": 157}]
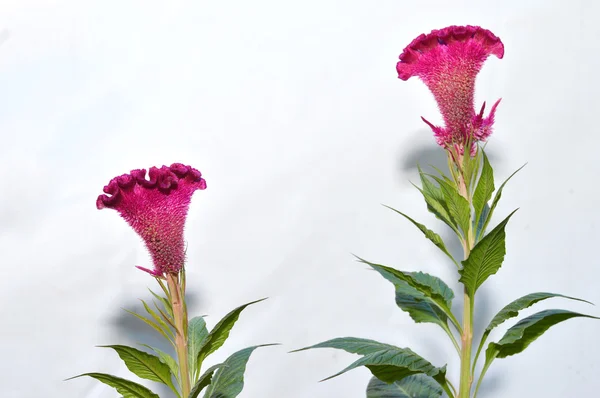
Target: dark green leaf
[
  {"x": 526, "y": 331},
  {"x": 512, "y": 309},
  {"x": 197, "y": 333},
  {"x": 429, "y": 234},
  {"x": 127, "y": 388},
  {"x": 432, "y": 287},
  {"x": 228, "y": 381},
  {"x": 204, "y": 381},
  {"x": 436, "y": 204},
  {"x": 479, "y": 231},
  {"x": 415, "y": 386},
  {"x": 485, "y": 259},
  {"x": 353, "y": 345},
  {"x": 144, "y": 365},
  {"x": 484, "y": 189},
  {"x": 216, "y": 338},
  {"x": 497, "y": 199}
]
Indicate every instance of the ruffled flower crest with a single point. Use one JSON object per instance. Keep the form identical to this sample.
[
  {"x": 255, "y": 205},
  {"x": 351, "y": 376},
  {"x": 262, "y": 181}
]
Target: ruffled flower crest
[
  {"x": 448, "y": 61},
  {"x": 156, "y": 208}
]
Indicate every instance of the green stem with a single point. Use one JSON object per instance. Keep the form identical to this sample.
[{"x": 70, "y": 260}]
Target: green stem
[
  {"x": 466, "y": 376},
  {"x": 452, "y": 338},
  {"x": 483, "y": 371},
  {"x": 180, "y": 316}
]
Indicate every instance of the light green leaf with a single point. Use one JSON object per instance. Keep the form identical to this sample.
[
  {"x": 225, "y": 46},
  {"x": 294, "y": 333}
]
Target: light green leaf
[
  {"x": 429, "y": 234},
  {"x": 127, "y": 388},
  {"x": 168, "y": 360},
  {"x": 415, "y": 386},
  {"x": 485, "y": 259},
  {"x": 204, "y": 381},
  {"x": 484, "y": 189},
  {"x": 158, "y": 319},
  {"x": 166, "y": 304},
  {"x": 228, "y": 381},
  {"x": 152, "y": 324},
  {"x": 526, "y": 331},
  {"x": 216, "y": 338},
  {"x": 144, "y": 365},
  {"x": 197, "y": 333},
  {"x": 497, "y": 199}
]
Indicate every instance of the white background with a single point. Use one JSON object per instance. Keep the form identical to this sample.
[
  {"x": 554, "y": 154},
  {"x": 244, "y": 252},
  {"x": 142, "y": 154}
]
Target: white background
[{"x": 294, "y": 113}]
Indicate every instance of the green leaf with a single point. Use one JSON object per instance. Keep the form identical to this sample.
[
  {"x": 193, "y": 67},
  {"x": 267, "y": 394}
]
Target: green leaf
[
  {"x": 144, "y": 365},
  {"x": 430, "y": 286},
  {"x": 458, "y": 207},
  {"x": 429, "y": 234},
  {"x": 512, "y": 309},
  {"x": 471, "y": 168},
  {"x": 479, "y": 231},
  {"x": 485, "y": 259},
  {"x": 166, "y": 304},
  {"x": 216, "y": 338},
  {"x": 228, "y": 381},
  {"x": 415, "y": 386},
  {"x": 168, "y": 360},
  {"x": 484, "y": 189},
  {"x": 526, "y": 331},
  {"x": 497, "y": 199},
  {"x": 353, "y": 345},
  {"x": 197, "y": 333},
  {"x": 204, "y": 381},
  {"x": 127, "y": 388},
  {"x": 436, "y": 204},
  {"x": 152, "y": 324},
  {"x": 158, "y": 319}
]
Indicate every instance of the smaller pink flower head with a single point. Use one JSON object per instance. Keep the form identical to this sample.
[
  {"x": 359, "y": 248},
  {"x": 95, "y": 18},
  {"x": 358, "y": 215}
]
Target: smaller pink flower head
[
  {"x": 448, "y": 61},
  {"x": 156, "y": 209}
]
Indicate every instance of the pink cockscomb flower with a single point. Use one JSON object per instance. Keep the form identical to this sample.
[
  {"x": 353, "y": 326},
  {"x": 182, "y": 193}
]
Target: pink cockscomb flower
[
  {"x": 448, "y": 61},
  {"x": 156, "y": 208}
]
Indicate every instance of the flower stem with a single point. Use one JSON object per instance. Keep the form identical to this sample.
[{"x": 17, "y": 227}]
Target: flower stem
[
  {"x": 180, "y": 316},
  {"x": 466, "y": 376}
]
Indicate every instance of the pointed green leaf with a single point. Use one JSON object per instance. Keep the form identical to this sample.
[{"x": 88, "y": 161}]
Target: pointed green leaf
[
  {"x": 526, "y": 331},
  {"x": 429, "y": 234},
  {"x": 216, "y": 338},
  {"x": 204, "y": 381},
  {"x": 158, "y": 319},
  {"x": 197, "y": 333},
  {"x": 479, "y": 231},
  {"x": 127, "y": 388},
  {"x": 228, "y": 381},
  {"x": 484, "y": 189},
  {"x": 144, "y": 365},
  {"x": 436, "y": 204},
  {"x": 166, "y": 304},
  {"x": 415, "y": 386},
  {"x": 485, "y": 259},
  {"x": 512, "y": 309},
  {"x": 168, "y": 360},
  {"x": 471, "y": 168},
  {"x": 430, "y": 286},
  {"x": 458, "y": 207},
  {"x": 353, "y": 345},
  {"x": 497, "y": 199},
  {"x": 152, "y": 324}
]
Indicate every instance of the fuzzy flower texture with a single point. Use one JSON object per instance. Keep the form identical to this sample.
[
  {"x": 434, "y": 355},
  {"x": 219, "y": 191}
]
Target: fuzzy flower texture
[
  {"x": 156, "y": 208},
  {"x": 448, "y": 61}
]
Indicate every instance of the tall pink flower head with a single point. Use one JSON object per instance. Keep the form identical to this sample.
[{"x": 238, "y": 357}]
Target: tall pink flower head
[
  {"x": 156, "y": 208},
  {"x": 448, "y": 61}
]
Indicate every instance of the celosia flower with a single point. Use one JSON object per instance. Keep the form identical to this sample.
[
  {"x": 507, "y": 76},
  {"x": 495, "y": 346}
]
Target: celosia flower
[
  {"x": 156, "y": 209},
  {"x": 448, "y": 61}
]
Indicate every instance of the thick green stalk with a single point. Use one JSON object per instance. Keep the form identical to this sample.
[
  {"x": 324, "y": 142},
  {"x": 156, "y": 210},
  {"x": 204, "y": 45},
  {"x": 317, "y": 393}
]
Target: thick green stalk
[
  {"x": 466, "y": 376},
  {"x": 180, "y": 317}
]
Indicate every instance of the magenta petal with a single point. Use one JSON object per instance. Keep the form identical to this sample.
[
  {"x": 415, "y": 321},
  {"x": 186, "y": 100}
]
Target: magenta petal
[{"x": 156, "y": 209}]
